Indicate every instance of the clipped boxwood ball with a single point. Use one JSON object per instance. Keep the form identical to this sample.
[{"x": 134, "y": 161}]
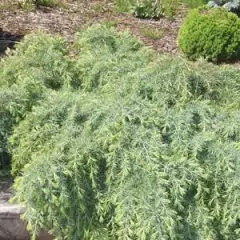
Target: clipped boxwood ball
[{"x": 213, "y": 34}]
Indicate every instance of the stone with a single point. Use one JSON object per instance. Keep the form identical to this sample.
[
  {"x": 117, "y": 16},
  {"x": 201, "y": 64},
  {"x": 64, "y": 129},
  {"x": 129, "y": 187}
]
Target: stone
[{"x": 11, "y": 226}]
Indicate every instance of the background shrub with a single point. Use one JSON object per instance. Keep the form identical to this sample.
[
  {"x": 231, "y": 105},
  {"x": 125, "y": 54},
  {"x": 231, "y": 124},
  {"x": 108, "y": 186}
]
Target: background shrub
[
  {"x": 210, "y": 33},
  {"x": 194, "y": 3},
  {"x": 155, "y": 9},
  {"x": 48, "y": 3},
  {"x": 148, "y": 8},
  {"x": 124, "y": 5},
  {"x": 139, "y": 146},
  {"x": 36, "y": 3}
]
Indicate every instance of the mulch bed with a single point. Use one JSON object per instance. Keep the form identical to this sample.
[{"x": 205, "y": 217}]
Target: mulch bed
[{"x": 67, "y": 21}]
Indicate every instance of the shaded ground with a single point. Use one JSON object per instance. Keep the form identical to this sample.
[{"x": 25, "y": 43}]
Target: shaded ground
[
  {"x": 5, "y": 189},
  {"x": 78, "y": 14}
]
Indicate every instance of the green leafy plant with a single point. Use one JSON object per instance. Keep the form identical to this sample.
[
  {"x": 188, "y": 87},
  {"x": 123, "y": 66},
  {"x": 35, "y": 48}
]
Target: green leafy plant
[
  {"x": 138, "y": 146},
  {"x": 125, "y": 5},
  {"x": 48, "y": 3},
  {"x": 194, "y": 3},
  {"x": 152, "y": 33},
  {"x": 210, "y": 33},
  {"x": 30, "y": 4},
  {"x": 149, "y": 8}
]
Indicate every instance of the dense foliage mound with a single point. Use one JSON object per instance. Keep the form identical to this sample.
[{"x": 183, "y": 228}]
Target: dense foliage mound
[
  {"x": 120, "y": 143},
  {"x": 212, "y": 34}
]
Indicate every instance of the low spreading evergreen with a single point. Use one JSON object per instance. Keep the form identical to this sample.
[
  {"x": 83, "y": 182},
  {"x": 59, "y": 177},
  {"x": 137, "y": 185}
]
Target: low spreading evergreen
[{"x": 118, "y": 142}]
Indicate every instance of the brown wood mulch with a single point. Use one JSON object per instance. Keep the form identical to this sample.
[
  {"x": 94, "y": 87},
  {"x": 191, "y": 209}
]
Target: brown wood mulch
[{"x": 78, "y": 14}]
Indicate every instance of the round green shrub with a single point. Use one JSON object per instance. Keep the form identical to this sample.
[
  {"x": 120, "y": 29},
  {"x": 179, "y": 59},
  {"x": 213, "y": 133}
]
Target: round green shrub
[{"x": 212, "y": 34}]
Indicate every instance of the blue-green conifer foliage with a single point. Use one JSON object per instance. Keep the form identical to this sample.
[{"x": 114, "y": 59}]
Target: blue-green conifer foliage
[{"x": 117, "y": 142}]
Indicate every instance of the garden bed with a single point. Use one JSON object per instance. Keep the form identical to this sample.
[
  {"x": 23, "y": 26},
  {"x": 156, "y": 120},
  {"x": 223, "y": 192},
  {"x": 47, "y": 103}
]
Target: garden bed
[{"x": 67, "y": 21}]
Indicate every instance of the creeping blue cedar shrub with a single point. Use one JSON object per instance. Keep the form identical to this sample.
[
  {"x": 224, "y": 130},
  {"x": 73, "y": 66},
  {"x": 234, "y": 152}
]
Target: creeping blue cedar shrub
[
  {"x": 210, "y": 33},
  {"x": 140, "y": 146}
]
